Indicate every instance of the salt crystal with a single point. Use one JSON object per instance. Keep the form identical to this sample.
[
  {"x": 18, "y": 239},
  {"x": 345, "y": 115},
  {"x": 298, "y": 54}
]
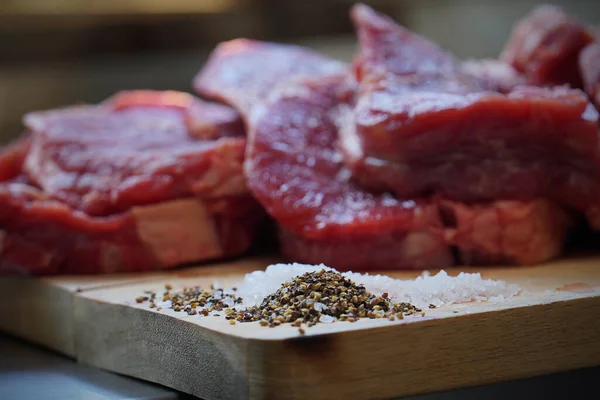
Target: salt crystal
[
  {"x": 439, "y": 290},
  {"x": 320, "y": 307},
  {"x": 228, "y": 301},
  {"x": 326, "y": 319}
]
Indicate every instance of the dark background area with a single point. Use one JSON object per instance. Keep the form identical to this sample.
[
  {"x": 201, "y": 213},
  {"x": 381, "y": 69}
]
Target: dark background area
[{"x": 58, "y": 52}]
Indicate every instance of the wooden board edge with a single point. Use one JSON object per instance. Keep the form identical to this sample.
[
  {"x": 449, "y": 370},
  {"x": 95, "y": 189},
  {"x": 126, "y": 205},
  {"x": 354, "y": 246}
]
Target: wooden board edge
[
  {"x": 160, "y": 349},
  {"x": 433, "y": 355},
  {"x": 426, "y": 356},
  {"x": 39, "y": 312}
]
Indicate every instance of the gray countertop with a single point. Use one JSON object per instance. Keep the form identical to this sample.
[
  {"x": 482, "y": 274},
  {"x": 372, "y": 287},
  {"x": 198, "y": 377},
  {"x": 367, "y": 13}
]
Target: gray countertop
[{"x": 29, "y": 372}]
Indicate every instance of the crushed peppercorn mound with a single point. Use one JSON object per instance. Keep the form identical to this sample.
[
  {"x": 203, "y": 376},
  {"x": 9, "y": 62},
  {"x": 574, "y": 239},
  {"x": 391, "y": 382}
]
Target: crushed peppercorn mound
[
  {"x": 314, "y": 297},
  {"x": 322, "y": 296}
]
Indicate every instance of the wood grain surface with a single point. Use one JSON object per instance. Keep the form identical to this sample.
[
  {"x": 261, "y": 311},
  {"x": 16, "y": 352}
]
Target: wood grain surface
[
  {"x": 40, "y": 310},
  {"x": 552, "y": 326}
]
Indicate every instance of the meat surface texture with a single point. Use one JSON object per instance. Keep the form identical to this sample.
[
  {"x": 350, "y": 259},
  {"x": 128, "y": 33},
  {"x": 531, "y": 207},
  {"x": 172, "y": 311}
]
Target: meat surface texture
[
  {"x": 241, "y": 72},
  {"x": 417, "y": 134},
  {"x": 295, "y": 171},
  {"x": 134, "y": 149},
  {"x": 128, "y": 185},
  {"x": 41, "y": 236},
  {"x": 545, "y": 45},
  {"x": 12, "y": 157},
  {"x": 589, "y": 66},
  {"x": 506, "y": 232},
  {"x": 494, "y": 75},
  {"x": 407, "y": 158}
]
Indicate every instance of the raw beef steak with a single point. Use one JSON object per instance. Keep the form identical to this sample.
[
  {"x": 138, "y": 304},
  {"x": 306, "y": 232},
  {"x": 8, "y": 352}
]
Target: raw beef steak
[
  {"x": 136, "y": 148},
  {"x": 422, "y": 128},
  {"x": 294, "y": 170},
  {"x": 506, "y": 232},
  {"x": 494, "y": 75},
  {"x": 12, "y": 157},
  {"x": 42, "y": 234},
  {"x": 545, "y": 46},
  {"x": 589, "y": 65},
  {"x": 231, "y": 74}
]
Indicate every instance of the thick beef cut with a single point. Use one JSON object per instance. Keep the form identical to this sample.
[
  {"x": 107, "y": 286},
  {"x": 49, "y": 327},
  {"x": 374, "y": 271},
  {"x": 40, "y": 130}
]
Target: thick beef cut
[
  {"x": 545, "y": 46},
  {"x": 506, "y": 232},
  {"x": 203, "y": 120},
  {"x": 232, "y": 65},
  {"x": 589, "y": 65},
  {"x": 426, "y": 130},
  {"x": 42, "y": 234},
  {"x": 137, "y": 148},
  {"x": 494, "y": 75},
  {"x": 294, "y": 170},
  {"x": 12, "y": 157}
]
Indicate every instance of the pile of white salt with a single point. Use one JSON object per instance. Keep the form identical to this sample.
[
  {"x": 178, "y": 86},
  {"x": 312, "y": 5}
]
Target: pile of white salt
[{"x": 440, "y": 289}]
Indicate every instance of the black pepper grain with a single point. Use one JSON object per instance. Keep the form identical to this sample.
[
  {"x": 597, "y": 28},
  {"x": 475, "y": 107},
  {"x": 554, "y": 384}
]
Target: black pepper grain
[
  {"x": 322, "y": 297},
  {"x": 314, "y": 297}
]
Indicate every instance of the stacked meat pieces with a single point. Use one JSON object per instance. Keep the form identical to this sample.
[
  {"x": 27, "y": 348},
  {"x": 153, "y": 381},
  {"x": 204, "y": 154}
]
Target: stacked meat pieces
[
  {"x": 408, "y": 158},
  {"x": 146, "y": 180}
]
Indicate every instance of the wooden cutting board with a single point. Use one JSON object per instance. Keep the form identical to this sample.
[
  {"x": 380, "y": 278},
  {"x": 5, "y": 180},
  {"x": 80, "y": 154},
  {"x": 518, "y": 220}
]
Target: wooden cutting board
[
  {"x": 550, "y": 328},
  {"x": 40, "y": 310}
]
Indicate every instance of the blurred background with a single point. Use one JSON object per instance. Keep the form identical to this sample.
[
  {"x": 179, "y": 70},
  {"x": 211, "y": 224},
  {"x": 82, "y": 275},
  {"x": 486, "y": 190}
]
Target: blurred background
[{"x": 59, "y": 52}]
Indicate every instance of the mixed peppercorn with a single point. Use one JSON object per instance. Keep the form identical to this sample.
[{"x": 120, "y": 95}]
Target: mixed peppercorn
[{"x": 314, "y": 297}]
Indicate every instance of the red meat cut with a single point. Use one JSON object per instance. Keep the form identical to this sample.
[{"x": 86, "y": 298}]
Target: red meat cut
[
  {"x": 40, "y": 234},
  {"x": 136, "y": 148},
  {"x": 295, "y": 171},
  {"x": 417, "y": 134},
  {"x": 506, "y": 232},
  {"x": 12, "y": 157},
  {"x": 203, "y": 120},
  {"x": 494, "y": 75},
  {"x": 245, "y": 85},
  {"x": 589, "y": 65},
  {"x": 318, "y": 224},
  {"x": 545, "y": 46}
]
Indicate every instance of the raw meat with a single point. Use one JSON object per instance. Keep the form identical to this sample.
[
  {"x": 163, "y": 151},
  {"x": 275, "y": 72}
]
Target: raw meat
[
  {"x": 39, "y": 234},
  {"x": 545, "y": 46},
  {"x": 589, "y": 65},
  {"x": 418, "y": 134},
  {"x": 295, "y": 171},
  {"x": 136, "y": 148},
  {"x": 233, "y": 66},
  {"x": 208, "y": 121},
  {"x": 292, "y": 168},
  {"x": 494, "y": 75},
  {"x": 506, "y": 232},
  {"x": 12, "y": 157}
]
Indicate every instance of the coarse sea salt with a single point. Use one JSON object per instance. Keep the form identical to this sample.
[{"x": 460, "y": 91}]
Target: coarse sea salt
[{"x": 440, "y": 289}]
